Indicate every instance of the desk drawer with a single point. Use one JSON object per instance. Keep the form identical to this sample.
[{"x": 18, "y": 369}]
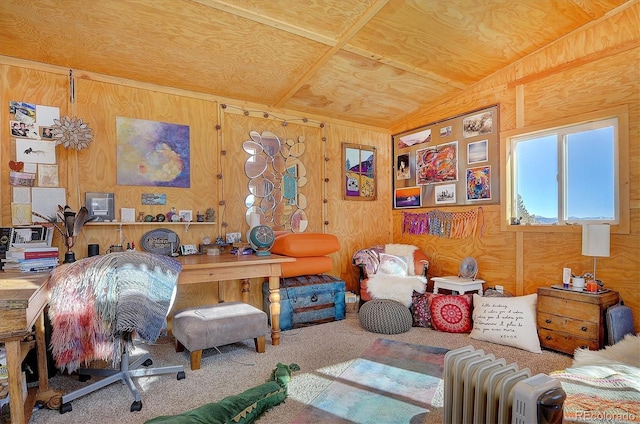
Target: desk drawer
[
  {"x": 571, "y": 309},
  {"x": 564, "y": 342},
  {"x": 576, "y": 327}
]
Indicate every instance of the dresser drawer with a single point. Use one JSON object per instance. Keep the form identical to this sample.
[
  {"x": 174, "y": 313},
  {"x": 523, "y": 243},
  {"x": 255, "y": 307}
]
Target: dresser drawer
[
  {"x": 564, "y": 342},
  {"x": 586, "y": 329},
  {"x": 570, "y": 309}
]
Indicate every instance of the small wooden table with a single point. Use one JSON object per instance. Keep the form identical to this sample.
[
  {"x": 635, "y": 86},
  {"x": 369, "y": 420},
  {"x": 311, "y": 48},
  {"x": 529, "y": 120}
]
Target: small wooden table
[
  {"x": 206, "y": 268},
  {"x": 22, "y": 300}
]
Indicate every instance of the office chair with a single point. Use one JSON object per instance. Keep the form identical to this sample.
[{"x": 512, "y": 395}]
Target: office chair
[{"x": 97, "y": 306}]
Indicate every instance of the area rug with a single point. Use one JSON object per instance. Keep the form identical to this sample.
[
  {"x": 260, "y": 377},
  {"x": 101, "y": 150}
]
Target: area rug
[{"x": 392, "y": 382}]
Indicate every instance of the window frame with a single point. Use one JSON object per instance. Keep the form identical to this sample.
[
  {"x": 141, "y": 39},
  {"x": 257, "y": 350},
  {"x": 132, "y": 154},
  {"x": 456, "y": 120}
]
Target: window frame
[{"x": 507, "y": 161}]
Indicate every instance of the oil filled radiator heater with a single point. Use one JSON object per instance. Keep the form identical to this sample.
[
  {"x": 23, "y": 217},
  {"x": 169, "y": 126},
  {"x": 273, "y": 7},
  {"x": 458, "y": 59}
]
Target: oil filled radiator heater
[{"x": 479, "y": 389}]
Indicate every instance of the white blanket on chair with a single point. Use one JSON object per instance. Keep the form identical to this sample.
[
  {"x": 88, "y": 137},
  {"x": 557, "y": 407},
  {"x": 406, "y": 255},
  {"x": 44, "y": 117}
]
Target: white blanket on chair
[{"x": 395, "y": 287}]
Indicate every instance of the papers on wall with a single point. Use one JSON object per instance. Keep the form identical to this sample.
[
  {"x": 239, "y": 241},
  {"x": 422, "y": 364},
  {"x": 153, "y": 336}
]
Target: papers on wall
[{"x": 45, "y": 202}]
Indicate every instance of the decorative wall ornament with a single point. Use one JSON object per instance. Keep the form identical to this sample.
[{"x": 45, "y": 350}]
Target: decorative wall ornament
[
  {"x": 276, "y": 173},
  {"x": 72, "y": 133},
  {"x": 452, "y": 225}
]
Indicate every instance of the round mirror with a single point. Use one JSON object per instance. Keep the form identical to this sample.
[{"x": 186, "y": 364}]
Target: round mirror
[
  {"x": 270, "y": 143},
  {"x": 255, "y": 136},
  {"x": 267, "y": 203},
  {"x": 284, "y": 151},
  {"x": 249, "y": 200},
  {"x": 260, "y": 187},
  {"x": 279, "y": 164},
  {"x": 252, "y": 147},
  {"x": 255, "y": 166},
  {"x": 299, "y": 221},
  {"x": 272, "y": 176},
  {"x": 302, "y": 201},
  {"x": 297, "y": 150},
  {"x": 253, "y": 210}
]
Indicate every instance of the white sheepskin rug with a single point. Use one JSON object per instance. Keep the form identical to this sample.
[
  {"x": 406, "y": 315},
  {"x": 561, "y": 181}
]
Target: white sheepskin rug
[
  {"x": 614, "y": 366},
  {"x": 395, "y": 287},
  {"x": 404, "y": 250},
  {"x": 626, "y": 351}
]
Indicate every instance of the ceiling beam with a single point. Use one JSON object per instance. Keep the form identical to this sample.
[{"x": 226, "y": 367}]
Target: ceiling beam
[
  {"x": 348, "y": 34},
  {"x": 267, "y": 20}
]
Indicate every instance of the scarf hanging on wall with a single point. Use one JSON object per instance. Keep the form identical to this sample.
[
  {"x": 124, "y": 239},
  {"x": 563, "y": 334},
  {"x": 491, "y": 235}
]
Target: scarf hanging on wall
[{"x": 454, "y": 225}]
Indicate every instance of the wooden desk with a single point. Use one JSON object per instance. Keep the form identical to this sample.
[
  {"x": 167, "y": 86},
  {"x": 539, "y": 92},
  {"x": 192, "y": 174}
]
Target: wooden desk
[
  {"x": 206, "y": 268},
  {"x": 22, "y": 300}
]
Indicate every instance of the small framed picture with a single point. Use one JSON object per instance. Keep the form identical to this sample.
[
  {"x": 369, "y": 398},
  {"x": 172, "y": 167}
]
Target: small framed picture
[
  {"x": 185, "y": 216},
  {"x": 445, "y": 194},
  {"x": 100, "y": 205},
  {"x": 408, "y": 197},
  {"x": 188, "y": 249}
]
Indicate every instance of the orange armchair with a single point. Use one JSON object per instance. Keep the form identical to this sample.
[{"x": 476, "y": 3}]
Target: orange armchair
[{"x": 368, "y": 261}]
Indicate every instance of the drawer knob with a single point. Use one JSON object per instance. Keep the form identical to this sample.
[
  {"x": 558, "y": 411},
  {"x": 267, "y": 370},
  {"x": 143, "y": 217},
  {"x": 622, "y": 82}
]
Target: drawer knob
[
  {"x": 548, "y": 321},
  {"x": 548, "y": 337},
  {"x": 584, "y": 328}
]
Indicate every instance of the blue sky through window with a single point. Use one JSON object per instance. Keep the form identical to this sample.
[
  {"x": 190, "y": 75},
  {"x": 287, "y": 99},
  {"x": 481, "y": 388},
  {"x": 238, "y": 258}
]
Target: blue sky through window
[{"x": 590, "y": 174}]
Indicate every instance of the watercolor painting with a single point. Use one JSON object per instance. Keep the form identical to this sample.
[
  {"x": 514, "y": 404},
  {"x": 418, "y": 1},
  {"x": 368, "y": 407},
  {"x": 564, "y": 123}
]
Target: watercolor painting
[
  {"x": 437, "y": 164},
  {"x": 152, "y": 153},
  {"x": 479, "y": 183}
]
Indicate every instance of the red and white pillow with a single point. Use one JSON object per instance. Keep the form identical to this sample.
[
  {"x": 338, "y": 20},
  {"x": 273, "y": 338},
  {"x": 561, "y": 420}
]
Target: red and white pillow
[{"x": 447, "y": 313}]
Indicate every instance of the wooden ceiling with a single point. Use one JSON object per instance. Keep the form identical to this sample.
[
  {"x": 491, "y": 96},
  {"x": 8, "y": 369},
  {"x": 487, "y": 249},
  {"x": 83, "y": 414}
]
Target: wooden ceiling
[{"x": 373, "y": 62}]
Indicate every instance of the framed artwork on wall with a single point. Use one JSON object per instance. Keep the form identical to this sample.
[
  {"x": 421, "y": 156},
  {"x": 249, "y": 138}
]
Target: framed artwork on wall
[
  {"x": 100, "y": 205},
  {"x": 454, "y": 161},
  {"x": 407, "y": 197},
  {"x": 358, "y": 172}
]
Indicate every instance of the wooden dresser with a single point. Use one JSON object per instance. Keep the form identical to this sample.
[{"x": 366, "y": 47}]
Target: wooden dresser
[{"x": 568, "y": 320}]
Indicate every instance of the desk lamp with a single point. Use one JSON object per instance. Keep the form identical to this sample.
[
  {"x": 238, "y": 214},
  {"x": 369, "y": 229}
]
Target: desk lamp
[{"x": 595, "y": 242}]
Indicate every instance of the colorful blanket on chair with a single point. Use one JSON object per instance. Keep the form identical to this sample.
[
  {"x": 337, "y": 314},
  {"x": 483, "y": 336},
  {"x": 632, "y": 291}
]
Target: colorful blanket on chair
[{"x": 96, "y": 303}]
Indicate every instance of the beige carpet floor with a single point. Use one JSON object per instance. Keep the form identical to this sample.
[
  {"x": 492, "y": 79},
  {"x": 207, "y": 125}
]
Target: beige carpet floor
[{"x": 322, "y": 351}]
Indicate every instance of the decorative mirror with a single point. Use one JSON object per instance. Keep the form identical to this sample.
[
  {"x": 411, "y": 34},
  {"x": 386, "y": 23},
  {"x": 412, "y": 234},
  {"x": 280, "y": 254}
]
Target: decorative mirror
[{"x": 276, "y": 174}]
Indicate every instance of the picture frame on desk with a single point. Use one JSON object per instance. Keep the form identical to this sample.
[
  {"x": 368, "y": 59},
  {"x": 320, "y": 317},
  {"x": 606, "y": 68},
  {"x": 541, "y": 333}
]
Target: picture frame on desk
[{"x": 101, "y": 206}]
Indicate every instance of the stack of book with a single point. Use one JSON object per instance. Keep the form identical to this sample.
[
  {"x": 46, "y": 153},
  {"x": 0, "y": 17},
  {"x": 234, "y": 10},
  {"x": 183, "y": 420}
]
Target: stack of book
[{"x": 31, "y": 259}]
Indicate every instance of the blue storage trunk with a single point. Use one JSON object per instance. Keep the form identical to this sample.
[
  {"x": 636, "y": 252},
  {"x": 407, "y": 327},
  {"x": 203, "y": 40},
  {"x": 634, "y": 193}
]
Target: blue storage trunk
[{"x": 308, "y": 300}]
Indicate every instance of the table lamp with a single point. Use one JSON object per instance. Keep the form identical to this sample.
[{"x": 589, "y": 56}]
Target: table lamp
[{"x": 595, "y": 242}]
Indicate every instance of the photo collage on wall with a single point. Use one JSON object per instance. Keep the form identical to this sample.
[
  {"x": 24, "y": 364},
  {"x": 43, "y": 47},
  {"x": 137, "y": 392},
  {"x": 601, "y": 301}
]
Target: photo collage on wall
[
  {"x": 34, "y": 171},
  {"x": 448, "y": 163}
]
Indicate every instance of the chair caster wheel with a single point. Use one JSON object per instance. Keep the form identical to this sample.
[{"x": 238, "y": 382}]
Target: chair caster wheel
[
  {"x": 136, "y": 406},
  {"x": 65, "y": 407},
  {"x": 181, "y": 375},
  {"x": 147, "y": 363},
  {"x": 84, "y": 377}
]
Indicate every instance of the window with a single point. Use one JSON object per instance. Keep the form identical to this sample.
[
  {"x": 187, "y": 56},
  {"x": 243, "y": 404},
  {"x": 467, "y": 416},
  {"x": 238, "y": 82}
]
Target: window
[{"x": 566, "y": 175}]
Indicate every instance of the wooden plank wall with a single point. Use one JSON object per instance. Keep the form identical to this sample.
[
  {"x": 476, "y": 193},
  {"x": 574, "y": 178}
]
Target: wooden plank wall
[
  {"x": 592, "y": 69},
  {"x": 217, "y": 163}
]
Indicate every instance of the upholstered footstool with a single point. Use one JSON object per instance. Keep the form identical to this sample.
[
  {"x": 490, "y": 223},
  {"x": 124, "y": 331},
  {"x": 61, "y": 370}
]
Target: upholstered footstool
[
  {"x": 385, "y": 316},
  {"x": 216, "y": 325}
]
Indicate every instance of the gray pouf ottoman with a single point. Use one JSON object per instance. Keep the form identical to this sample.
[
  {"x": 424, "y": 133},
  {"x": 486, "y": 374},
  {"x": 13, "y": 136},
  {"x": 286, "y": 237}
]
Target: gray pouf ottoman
[
  {"x": 216, "y": 325},
  {"x": 385, "y": 316}
]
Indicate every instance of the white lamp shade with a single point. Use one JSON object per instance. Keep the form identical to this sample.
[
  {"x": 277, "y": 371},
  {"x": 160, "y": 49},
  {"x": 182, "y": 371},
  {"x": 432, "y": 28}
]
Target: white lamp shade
[{"x": 595, "y": 240}]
